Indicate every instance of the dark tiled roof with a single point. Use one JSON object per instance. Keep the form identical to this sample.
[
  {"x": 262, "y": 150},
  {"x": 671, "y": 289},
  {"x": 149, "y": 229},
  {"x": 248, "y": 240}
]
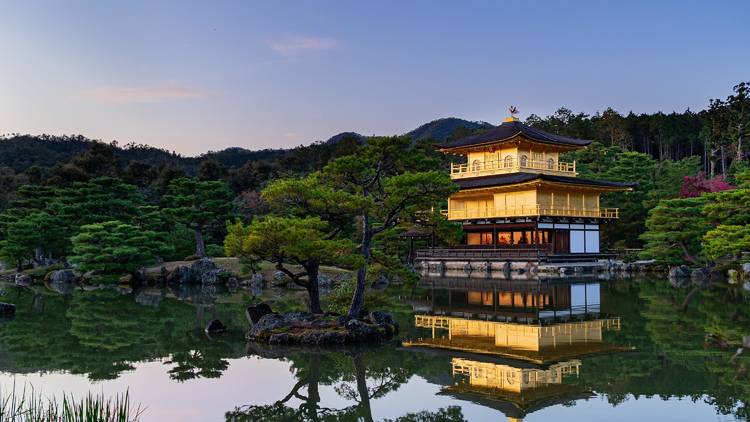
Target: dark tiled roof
[
  {"x": 508, "y": 130},
  {"x": 513, "y": 178}
]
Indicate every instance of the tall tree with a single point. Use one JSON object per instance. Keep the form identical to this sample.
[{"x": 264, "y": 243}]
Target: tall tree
[
  {"x": 199, "y": 205},
  {"x": 298, "y": 246},
  {"x": 385, "y": 177}
]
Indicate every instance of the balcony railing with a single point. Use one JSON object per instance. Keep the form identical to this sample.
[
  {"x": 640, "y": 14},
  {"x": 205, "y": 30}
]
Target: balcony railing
[
  {"x": 531, "y": 210},
  {"x": 511, "y": 165}
]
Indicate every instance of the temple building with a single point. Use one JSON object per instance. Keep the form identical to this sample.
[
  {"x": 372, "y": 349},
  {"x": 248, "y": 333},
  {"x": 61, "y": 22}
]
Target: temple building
[{"x": 516, "y": 195}]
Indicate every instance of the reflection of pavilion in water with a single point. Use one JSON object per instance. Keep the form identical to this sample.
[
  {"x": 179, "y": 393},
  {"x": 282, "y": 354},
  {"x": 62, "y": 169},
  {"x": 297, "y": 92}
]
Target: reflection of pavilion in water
[
  {"x": 514, "y": 343},
  {"x": 529, "y": 301}
]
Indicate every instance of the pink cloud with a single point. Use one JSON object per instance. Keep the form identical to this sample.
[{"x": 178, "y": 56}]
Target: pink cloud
[
  {"x": 142, "y": 94},
  {"x": 298, "y": 45}
]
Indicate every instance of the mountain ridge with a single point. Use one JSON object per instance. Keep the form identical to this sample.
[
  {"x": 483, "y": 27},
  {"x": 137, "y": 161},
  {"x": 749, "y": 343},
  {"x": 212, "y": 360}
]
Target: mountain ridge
[{"x": 20, "y": 152}]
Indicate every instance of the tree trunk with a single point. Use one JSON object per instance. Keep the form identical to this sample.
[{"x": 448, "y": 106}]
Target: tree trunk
[
  {"x": 739, "y": 143},
  {"x": 313, "y": 288},
  {"x": 364, "y": 394},
  {"x": 689, "y": 297},
  {"x": 358, "y": 299},
  {"x": 200, "y": 245},
  {"x": 313, "y": 392},
  {"x": 723, "y": 161}
]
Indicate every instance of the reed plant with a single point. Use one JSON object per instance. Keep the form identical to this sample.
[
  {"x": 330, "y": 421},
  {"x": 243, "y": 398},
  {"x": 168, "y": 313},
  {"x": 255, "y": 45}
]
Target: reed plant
[{"x": 28, "y": 405}]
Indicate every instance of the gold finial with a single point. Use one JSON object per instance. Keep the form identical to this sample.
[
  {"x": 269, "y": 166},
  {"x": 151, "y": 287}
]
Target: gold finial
[{"x": 513, "y": 111}]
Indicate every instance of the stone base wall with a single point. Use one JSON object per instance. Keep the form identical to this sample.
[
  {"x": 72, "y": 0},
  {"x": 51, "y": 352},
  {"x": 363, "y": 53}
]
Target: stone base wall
[{"x": 521, "y": 270}]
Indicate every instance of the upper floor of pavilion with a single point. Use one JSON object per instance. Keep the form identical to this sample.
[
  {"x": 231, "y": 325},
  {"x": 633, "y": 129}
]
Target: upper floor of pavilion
[{"x": 512, "y": 147}]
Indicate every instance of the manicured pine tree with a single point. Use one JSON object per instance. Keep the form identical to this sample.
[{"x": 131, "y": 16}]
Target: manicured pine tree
[
  {"x": 674, "y": 231},
  {"x": 391, "y": 183},
  {"x": 112, "y": 249},
  {"x": 199, "y": 205},
  {"x": 293, "y": 243}
]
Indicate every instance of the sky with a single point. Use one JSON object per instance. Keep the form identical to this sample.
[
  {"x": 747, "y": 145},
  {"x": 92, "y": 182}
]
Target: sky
[{"x": 193, "y": 76}]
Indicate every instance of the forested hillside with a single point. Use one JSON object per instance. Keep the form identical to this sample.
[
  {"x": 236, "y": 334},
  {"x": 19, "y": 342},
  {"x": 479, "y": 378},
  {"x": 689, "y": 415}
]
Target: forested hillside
[{"x": 671, "y": 156}]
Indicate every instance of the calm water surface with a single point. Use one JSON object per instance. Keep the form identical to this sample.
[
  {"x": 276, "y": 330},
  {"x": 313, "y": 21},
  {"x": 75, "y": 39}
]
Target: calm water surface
[{"x": 470, "y": 350}]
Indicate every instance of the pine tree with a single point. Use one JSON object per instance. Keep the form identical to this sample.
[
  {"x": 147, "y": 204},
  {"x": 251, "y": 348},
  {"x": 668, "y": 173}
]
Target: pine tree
[
  {"x": 199, "y": 205},
  {"x": 112, "y": 249}
]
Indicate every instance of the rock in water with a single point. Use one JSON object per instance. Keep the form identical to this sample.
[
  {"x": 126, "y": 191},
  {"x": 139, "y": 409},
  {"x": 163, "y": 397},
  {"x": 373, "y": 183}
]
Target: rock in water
[
  {"x": 62, "y": 276},
  {"x": 266, "y": 324},
  {"x": 23, "y": 280},
  {"x": 215, "y": 327},
  {"x": 7, "y": 310},
  {"x": 255, "y": 313},
  {"x": 681, "y": 271}
]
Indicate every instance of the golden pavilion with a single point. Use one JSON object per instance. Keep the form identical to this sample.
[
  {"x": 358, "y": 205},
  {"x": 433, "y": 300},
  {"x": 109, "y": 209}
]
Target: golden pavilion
[{"x": 516, "y": 194}]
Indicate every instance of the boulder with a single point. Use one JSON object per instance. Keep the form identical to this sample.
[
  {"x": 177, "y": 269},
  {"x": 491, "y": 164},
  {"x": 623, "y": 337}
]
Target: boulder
[
  {"x": 325, "y": 282},
  {"x": 61, "y": 276},
  {"x": 266, "y": 324},
  {"x": 746, "y": 270},
  {"x": 681, "y": 271},
  {"x": 7, "y": 310},
  {"x": 215, "y": 327},
  {"x": 280, "y": 279},
  {"x": 278, "y": 339},
  {"x": 255, "y": 313},
  {"x": 700, "y": 275},
  {"x": 206, "y": 270},
  {"x": 23, "y": 280},
  {"x": 746, "y": 342},
  {"x": 203, "y": 271},
  {"x": 180, "y": 275},
  {"x": 381, "y": 318},
  {"x": 62, "y": 288}
]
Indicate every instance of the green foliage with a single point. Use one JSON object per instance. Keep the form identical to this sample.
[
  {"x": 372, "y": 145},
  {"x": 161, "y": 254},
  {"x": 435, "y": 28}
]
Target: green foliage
[
  {"x": 296, "y": 240},
  {"x": 729, "y": 207},
  {"x": 99, "y": 200},
  {"x": 33, "y": 407},
  {"x": 199, "y": 205},
  {"x": 444, "y": 414},
  {"x": 340, "y": 298},
  {"x": 727, "y": 241},
  {"x": 675, "y": 227},
  {"x": 655, "y": 181},
  {"x": 112, "y": 249}
]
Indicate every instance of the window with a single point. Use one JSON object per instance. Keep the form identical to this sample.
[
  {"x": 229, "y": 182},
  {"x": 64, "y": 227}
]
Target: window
[
  {"x": 475, "y": 165},
  {"x": 524, "y": 160},
  {"x": 522, "y": 238},
  {"x": 504, "y": 238},
  {"x": 551, "y": 164},
  {"x": 508, "y": 162},
  {"x": 543, "y": 237}
]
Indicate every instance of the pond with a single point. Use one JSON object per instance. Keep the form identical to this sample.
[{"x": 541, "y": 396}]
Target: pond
[{"x": 470, "y": 349}]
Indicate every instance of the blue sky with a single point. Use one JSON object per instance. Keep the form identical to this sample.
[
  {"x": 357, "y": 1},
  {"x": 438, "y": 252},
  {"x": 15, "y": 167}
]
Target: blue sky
[{"x": 198, "y": 76}]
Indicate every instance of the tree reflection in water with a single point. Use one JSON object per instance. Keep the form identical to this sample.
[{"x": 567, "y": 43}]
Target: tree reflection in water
[{"x": 358, "y": 376}]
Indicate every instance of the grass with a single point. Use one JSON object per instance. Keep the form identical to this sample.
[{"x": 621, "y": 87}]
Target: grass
[{"x": 31, "y": 406}]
